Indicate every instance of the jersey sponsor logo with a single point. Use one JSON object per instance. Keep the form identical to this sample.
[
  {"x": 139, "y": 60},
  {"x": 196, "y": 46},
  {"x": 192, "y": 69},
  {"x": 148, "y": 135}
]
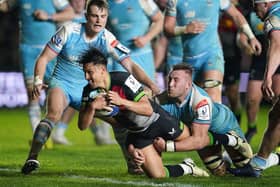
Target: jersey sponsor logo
[{"x": 132, "y": 83}]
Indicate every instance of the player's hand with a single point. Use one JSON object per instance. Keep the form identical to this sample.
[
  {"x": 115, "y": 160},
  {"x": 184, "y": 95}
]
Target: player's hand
[
  {"x": 41, "y": 15},
  {"x": 99, "y": 103},
  {"x": 155, "y": 90},
  {"x": 36, "y": 92},
  {"x": 159, "y": 144},
  {"x": 256, "y": 46},
  {"x": 114, "y": 98},
  {"x": 195, "y": 27},
  {"x": 140, "y": 41},
  {"x": 267, "y": 89},
  {"x": 137, "y": 155}
]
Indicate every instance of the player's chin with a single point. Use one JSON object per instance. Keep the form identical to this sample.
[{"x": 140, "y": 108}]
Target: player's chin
[{"x": 97, "y": 28}]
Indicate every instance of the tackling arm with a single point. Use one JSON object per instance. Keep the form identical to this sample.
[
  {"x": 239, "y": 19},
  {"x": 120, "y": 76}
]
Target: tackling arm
[{"x": 198, "y": 139}]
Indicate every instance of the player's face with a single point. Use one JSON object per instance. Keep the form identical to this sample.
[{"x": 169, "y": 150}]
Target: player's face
[
  {"x": 179, "y": 83},
  {"x": 260, "y": 9},
  {"x": 95, "y": 75},
  {"x": 96, "y": 18}
]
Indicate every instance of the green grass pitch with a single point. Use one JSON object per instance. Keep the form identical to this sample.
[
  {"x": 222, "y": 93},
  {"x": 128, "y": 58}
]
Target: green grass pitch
[{"x": 86, "y": 164}]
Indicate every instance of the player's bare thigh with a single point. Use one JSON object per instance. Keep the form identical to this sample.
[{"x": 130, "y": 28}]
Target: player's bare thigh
[
  {"x": 56, "y": 103},
  {"x": 153, "y": 165}
]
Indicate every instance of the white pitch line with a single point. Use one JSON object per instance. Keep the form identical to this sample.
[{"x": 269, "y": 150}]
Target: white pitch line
[{"x": 115, "y": 181}]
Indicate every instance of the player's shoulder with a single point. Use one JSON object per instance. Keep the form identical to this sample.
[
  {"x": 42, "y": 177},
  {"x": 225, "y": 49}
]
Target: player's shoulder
[
  {"x": 199, "y": 97},
  {"x": 120, "y": 77},
  {"x": 109, "y": 36},
  {"x": 272, "y": 22},
  {"x": 72, "y": 27}
]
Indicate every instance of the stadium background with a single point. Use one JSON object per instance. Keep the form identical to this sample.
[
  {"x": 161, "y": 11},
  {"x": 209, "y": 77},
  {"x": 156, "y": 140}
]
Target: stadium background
[{"x": 12, "y": 89}]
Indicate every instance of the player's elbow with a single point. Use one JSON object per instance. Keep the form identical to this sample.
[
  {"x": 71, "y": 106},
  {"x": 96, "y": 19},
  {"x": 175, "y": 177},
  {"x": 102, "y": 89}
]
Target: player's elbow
[
  {"x": 81, "y": 127},
  {"x": 149, "y": 111}
]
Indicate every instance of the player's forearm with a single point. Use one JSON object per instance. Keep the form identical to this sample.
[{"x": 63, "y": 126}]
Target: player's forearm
[
  {"x": 156, "y": 26},
  {"x": 169, "y": 26},
  {"x": 142, "y": 77},
  {"x": 192, "y": 143},
  {"x": 141, "y": 108},
  {"x": 65, "y": 15},
  {"x": 85, "y": 118},
  {"x": 273, "y": 60},
  {"x": 240, "y": 21},
  {"x": 40, "y": 68}
]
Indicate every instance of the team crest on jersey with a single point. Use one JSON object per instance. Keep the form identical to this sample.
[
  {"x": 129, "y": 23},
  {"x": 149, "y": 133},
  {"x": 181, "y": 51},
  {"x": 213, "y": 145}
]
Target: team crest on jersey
[
  {"x": 56, "y": 40},
  {"x": 203, "y": 110},
  {"x": 132, "y": 83}
]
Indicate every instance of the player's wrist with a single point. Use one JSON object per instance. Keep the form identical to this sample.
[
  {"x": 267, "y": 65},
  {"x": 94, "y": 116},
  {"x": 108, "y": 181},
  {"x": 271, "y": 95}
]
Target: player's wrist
[
  {"x": 170, "y": 146},
  {"x": 50, "y": 18},
  {"x": 179, "y": 30},
  {"x": 245, "y": 28},
  {"x": 37, "y": 81}
]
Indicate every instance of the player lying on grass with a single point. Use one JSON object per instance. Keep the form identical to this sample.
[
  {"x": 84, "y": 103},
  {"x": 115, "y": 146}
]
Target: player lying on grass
[
  {"x": 144, "y": 119},
  {"x": 192, "y": 105}
]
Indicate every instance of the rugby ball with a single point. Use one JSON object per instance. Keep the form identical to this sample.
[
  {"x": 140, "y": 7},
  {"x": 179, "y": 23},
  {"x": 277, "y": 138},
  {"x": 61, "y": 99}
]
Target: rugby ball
[{"x": 110, "y": 110}]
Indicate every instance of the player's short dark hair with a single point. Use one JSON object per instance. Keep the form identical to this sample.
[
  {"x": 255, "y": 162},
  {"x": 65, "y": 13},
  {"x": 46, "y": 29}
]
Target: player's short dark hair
[
  {"x": 94, "y": 56},
  {"x": 102, "y": 4},
  {"x": 183, "y": 66}
]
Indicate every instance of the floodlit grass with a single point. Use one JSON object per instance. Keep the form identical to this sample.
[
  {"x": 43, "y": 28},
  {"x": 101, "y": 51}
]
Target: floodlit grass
[{"x": 85, "y": 164}]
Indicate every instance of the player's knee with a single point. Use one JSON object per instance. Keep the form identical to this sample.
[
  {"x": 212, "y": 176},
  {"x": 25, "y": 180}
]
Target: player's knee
[
  {"x": 43, "y": 131},
  {"x": 212, "y": 83},
  {"x": 54, "y": 115},
  {"x": 216, "y": 165},
  {"x": 157, "y": 174}
]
